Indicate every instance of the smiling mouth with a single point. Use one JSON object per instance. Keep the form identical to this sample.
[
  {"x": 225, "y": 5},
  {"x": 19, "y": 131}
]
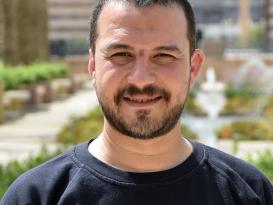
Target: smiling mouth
[{"x": 141, "y": 100}]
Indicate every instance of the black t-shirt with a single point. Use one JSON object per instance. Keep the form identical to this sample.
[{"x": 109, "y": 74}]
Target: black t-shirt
[{"x": 207, "y": 177}]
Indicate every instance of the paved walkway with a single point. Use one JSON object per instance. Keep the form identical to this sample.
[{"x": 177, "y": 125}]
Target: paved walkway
[{"x": 25, "y": 136}]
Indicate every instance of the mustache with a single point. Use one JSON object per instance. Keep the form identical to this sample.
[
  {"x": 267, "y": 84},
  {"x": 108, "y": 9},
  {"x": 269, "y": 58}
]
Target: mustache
[{"x": 148, "y": 90}]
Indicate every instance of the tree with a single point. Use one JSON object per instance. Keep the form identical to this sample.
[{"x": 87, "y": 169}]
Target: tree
[
  {"x": 26, "y": 30},
  {"x": 9, "y": 34},
  {"x": 1, "y": 28}
]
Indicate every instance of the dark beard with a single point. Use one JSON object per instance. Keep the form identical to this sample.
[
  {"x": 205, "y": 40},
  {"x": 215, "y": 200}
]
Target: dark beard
[{"x": 144, "y": 127}]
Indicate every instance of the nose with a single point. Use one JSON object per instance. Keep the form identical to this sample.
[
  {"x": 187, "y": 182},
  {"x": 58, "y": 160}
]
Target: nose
[{"x": 141, "y": 74}]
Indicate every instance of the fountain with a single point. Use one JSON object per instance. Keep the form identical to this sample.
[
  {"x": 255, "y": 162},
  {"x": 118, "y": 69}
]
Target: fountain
[
  {"x": 211, "y": 99},
  {"x": 254, "y": 74}
]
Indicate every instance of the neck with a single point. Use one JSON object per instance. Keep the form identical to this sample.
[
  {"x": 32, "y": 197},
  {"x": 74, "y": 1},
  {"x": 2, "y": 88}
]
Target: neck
[{"x": 136, "y": 155}]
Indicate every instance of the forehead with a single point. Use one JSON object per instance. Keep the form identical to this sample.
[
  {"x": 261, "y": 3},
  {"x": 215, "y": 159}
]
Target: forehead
[{"x": 121, "y": 20}]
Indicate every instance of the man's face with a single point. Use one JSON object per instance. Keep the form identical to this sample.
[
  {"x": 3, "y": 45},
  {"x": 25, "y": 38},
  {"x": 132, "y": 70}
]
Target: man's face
[{"x": 142, "y": 67}]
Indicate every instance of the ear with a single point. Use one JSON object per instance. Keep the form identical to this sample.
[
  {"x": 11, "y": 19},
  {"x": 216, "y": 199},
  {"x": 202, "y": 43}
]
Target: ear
[
  {"x": 91, "y": 66},
  {"x": 197, "y": 61}
]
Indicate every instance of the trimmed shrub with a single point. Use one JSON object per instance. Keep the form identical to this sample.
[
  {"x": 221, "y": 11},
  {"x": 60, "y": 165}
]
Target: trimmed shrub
[
  {"x": 16, "y": 77},
  {"x": 82, "y": 128},
  {"x": 263, "y": 161}
]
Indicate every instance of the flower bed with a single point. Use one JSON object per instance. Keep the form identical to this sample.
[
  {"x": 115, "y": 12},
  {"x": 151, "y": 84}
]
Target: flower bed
[
  {"x": 240, "y": 100},
  {"x": 268, "y": 109},
  {"x": 247, "y": 130}
]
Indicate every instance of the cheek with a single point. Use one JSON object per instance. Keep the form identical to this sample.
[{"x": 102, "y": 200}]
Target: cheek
[
  {"x": 108, "y": 80},
  {"x": 175, "y": 77},
  {"x": 176, "y": 80},
  {"x": 179, "y": 70}
]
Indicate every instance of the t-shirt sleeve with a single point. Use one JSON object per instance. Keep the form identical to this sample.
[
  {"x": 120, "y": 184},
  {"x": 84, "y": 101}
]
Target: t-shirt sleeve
[
  {"x": 21, "y": 193},
  {"x": 43, "y": 184},
  {"x": 266, "y": 192}
]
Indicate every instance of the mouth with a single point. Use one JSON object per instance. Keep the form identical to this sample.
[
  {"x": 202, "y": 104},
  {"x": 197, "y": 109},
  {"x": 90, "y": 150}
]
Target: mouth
[{"x": 142, "y": 101}]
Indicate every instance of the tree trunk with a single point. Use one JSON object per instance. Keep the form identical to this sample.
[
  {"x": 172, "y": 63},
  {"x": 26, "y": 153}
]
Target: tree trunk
[
  {"x": 10, "y": 50},
  {"x": 26, "y": 31},
  {"x": 1, "y": 29},
  {"x": 43, "y": 45}
]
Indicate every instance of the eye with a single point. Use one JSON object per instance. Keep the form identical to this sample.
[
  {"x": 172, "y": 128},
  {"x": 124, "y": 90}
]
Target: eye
[
  {"x": 121, "y": 54},
  {"x": 165, "y": 55},
  {"x": 121, "y": 58},
  {"x": 164, "y": 58}
]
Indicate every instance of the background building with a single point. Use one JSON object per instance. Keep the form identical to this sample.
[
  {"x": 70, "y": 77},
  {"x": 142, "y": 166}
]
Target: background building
[
  {"x": 68, "y": 26},
  {"x": 221, "y": 18},
  {"x": 68, "y": 22},
  {"x": 221, "y": 24},
  {"x": 215, "y": 11},
  {"x": 217, "y": 19}
]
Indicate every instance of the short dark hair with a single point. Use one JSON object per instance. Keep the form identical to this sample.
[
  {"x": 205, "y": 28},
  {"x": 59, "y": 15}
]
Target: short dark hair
[{"x": 191, "y": 25}]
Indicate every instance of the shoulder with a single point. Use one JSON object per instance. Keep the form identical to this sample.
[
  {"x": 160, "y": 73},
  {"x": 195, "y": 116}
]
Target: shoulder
[
  {"x": 43, "y": 181},
  {"x": 229, "y": 165},
  {"x": 239, "y": 176}
]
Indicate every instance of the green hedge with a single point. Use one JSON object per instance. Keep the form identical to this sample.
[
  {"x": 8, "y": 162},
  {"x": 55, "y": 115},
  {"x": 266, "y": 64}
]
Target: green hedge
[
  {"x": 15, "y": 168},
  {"x": 84, "y": 128},
  {"x": 243, "y": 91},
  {"x": 16, "y": 77},
  {"x": 264, "y": 161}
]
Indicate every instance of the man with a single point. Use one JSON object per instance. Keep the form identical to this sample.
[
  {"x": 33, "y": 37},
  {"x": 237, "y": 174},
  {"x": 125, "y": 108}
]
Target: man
[{"x": 143, "y": 62}]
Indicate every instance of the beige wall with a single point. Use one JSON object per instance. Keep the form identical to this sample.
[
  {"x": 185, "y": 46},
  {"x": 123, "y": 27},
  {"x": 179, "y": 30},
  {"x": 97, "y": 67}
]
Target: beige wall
[{"x": 68, "y": 19}]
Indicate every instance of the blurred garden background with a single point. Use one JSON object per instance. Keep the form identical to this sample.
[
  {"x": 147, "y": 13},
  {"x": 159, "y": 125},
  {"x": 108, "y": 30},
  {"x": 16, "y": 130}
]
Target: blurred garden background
[{"x": 47, "y": 103}]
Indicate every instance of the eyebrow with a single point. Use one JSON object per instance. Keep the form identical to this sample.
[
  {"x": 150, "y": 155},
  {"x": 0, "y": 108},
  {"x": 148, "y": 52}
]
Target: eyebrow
[
  {"x": 116, "y": 46},
  {"x": 171, "y": 48}
]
